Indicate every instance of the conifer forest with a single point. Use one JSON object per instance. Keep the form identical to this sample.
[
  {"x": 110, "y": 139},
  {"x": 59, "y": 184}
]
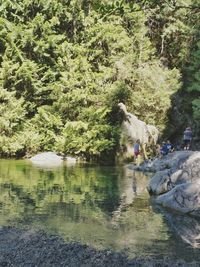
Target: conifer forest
[{"x": 66, "y": 64}]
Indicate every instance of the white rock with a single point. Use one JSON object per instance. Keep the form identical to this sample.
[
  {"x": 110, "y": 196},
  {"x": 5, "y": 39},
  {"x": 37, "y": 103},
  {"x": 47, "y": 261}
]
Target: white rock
[
  {"x": 47, "y": 159},
  {"x": 71, "y": 160}
]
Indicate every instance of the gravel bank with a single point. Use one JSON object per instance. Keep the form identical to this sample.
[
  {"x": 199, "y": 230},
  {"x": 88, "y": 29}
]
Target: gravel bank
[{"x": 29, "y": 248}]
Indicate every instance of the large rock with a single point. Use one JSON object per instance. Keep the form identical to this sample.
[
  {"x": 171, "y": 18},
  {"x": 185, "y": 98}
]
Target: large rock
[
  {"x": 184, "y": 198},
  {"x": 160, "y": 183},
  {"x": 174, "y": 169},
  {"x": 172, "y": 160},
  {"x": 177, "y": 178},
  {"x": 47, "y": 159}
]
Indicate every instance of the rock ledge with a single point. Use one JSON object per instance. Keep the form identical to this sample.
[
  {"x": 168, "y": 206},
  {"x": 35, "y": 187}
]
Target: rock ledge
[{"x": 176, "y": 181}]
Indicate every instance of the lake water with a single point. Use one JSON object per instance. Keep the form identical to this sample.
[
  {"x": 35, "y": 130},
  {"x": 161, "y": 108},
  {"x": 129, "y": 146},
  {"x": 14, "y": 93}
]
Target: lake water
[{"x": 106, "y": 207}]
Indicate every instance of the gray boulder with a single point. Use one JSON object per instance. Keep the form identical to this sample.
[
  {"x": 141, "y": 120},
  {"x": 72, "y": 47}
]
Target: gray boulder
[
  {"x": 47, "y": 159},
  {"x": 172, "y": 160},
  {"x": 177, "y": 178},
  {"x": 184, "y": 167},
  {"x": 184, "y": 198},
  {"x": 160, "y": 183}
]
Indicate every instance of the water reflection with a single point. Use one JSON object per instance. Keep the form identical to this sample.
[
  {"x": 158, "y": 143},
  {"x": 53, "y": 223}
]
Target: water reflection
[
  {"x": 106, "y": 207},
  {"x": 184, "y": 226},
  {"x": 134, "y": 185}
]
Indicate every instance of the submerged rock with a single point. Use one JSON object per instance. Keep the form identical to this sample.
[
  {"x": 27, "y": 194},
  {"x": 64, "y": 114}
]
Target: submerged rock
[
  {"x": 47, "y": 159},
  {"x": 185, "y": 227}
]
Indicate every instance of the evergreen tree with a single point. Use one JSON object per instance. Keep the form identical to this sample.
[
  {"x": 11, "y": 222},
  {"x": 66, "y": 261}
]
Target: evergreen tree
[{"x": 65, "y": 65}]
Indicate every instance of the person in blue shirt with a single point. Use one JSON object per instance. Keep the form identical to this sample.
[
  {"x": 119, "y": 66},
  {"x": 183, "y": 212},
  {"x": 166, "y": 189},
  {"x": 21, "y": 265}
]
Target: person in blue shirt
[
  {"x": 169, "y": 146},
  {"x": 164, "y": 150}
]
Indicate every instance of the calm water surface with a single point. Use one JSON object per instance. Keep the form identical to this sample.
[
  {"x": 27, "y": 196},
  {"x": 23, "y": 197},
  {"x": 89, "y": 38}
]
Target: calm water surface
[{"x": 106, "y": 207}]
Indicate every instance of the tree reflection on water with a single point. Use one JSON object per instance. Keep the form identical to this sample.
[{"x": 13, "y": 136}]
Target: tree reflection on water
[{"x": 106, "y": 207}]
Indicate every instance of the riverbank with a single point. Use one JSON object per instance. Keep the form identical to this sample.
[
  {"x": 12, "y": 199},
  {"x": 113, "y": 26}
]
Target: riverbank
[{"x": 30, "y": 248}]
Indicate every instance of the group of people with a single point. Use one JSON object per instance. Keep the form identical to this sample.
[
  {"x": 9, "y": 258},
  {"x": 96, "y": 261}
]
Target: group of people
[{"x": 166, "y": 147}]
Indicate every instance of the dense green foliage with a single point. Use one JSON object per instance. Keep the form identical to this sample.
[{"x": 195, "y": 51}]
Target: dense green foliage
[{"x": 66, "y": 64}]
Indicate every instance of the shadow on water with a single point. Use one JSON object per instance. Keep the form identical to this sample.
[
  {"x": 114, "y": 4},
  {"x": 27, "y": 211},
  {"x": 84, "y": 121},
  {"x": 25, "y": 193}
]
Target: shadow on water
[{"x": 106, "y": 207}]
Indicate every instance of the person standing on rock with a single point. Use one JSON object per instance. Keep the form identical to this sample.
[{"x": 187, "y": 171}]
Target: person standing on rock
[
  {"x": 187, "y": 138},
  {"x": 136, "y": 150}
]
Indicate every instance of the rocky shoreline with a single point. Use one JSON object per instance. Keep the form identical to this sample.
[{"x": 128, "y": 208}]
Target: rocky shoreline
[
  {"x": 176, "y": 181},
  {"x": 30, "y": 248}
]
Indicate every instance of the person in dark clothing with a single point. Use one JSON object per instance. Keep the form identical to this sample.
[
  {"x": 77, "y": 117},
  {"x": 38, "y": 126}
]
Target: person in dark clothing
[
  {"x": 170, "y": 147},
  {"x": 164, "y": 150},
  {"x": 187, "y": 138}
]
